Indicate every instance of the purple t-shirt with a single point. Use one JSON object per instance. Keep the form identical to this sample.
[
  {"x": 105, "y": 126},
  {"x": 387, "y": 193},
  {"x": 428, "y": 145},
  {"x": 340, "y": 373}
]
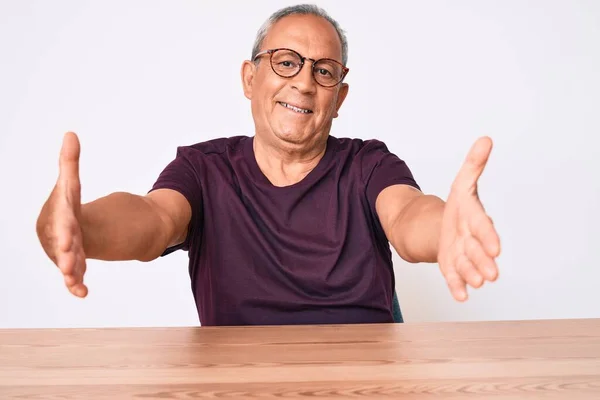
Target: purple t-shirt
[{"x": 310, "y": 253}]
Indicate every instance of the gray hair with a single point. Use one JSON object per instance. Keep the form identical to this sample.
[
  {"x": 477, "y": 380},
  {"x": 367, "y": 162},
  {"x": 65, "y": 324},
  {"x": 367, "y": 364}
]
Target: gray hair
[{"x": 301, "y": 9}]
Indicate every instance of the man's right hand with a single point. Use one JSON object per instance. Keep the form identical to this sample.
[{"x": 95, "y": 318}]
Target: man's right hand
[{"x": 58, "y": 225}]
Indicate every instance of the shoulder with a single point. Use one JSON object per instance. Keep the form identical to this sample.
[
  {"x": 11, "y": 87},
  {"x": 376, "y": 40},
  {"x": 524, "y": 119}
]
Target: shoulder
[
  {"x": 373, "y": 161},
  {"x": 360, "y": 147},
  {"x": 213, "y": 147},
  {"x": 363, "y": 153}
]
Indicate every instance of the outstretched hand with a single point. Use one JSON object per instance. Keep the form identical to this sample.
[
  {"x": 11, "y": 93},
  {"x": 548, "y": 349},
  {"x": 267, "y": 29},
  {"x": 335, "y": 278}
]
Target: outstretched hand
[
  {"x": 58, "y": 226},
  {"x": 469, "y": 243}
]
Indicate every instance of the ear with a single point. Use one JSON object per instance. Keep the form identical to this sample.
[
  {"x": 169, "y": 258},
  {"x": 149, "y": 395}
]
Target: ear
[
  {"x": 248, "y": 72},
  {"x": 341, "y": 97}
]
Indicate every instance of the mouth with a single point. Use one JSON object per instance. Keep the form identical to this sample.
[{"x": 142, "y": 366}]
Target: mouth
[{"x": 294, "y": 108}]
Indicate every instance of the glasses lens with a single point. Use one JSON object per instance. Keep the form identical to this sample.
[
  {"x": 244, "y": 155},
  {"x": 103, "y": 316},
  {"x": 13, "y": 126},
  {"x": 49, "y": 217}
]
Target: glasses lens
[
  {"x": 285, "y": 62},
  {"x": 328, "y": 72}
]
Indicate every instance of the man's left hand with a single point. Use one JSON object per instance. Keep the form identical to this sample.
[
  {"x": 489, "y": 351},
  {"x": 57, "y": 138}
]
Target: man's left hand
[{"x": 469, "y": 243}]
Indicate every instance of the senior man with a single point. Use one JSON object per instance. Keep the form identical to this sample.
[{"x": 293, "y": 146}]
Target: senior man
[{"x": 290, "y": 225}]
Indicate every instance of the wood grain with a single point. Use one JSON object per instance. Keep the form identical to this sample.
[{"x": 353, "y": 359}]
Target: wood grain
[{"x": 546, "y": 359}]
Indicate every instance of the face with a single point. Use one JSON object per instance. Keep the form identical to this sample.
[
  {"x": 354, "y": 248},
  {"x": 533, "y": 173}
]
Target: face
[{"x": 271, "y": 95}]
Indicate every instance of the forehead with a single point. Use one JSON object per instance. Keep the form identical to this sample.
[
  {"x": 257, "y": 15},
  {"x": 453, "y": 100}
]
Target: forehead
[{"x": 310, "y": 35}]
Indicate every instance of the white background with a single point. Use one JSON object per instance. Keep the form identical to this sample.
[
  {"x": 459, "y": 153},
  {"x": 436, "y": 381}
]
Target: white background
[{"x": 135, "y": 79}]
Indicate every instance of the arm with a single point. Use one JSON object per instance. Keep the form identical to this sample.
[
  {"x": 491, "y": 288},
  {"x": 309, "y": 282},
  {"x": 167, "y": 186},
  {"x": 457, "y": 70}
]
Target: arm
[
  {"x": 457, "y": 234},
  {"x": 124, "y": 226},
  {"x": 121, "y": 226},
  {"x": 412, "y": 222}
]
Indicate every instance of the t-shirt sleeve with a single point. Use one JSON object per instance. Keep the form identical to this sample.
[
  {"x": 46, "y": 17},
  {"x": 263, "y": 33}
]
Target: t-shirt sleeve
[
  {"x": 382, "y": 169},
  {"x": 182, "y": 176}
]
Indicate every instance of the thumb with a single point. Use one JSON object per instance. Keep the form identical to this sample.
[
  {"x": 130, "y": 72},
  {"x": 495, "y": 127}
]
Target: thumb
[
  {"x": 69, "y": 158},
  {"x": 474, "y": 164}
]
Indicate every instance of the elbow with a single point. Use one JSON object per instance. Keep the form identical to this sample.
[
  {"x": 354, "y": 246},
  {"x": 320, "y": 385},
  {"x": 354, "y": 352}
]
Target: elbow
[
  {"x": 156, "y": 247},
  {"x": 400, "y": 242},
  {"x": 407, "y": 256},
  {"x": 410, "y": 260},
  {"x": 149, "y": 256},
  {"x": 153, "y": 247}
]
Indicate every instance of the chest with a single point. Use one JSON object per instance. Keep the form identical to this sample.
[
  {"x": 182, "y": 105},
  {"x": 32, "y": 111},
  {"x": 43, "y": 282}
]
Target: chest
[{"x": 328, "y": 211}]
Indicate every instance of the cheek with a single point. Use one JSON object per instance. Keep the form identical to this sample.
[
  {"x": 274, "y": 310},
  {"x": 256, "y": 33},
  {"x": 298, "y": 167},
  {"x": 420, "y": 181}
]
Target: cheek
[
  {"x": 270, "y": 84},
  {"x": 267, "y": 97},
  {"x": 265, "y": 88},
  {"x": 328, "y": 103}
]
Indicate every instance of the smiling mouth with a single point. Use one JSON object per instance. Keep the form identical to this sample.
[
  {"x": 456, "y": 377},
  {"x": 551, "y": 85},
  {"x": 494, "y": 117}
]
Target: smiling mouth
[{"x": 294, "y": 108}]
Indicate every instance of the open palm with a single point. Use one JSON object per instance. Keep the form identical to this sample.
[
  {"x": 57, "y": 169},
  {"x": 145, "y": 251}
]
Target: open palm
[
  {"x": 469, "y": 242},
  {"x": 59, "y": 230}
]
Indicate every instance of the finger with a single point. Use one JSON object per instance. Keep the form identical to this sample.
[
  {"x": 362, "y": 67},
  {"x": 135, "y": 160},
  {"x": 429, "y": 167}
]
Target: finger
[
  {"x": 472, "y": 168},
  {"x": 71, "y": 280},
  {"x": 468, "y": 272},
  {"x": 482, "y": 262},
  {"x": 75, "y": 281},
  {"x": 79, "y": 290},
  {"x": 65, "y": 231},
  {"x": 74, "y": 276},
  {"x": 66, "y": 262},
  {"x": 69, "y": 158},
  {"x": 80, "y": 264},
  {"x": 72, "y": 266},
  {"x": 481, "y": 226},
  {"x": 81, "y": 268},
  {"x": 456, "y": 284},
  {"x": 65, "y": 239}
]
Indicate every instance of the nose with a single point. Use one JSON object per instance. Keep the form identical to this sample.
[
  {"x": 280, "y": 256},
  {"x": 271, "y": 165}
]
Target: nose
[{"x": 304, "y": 82}]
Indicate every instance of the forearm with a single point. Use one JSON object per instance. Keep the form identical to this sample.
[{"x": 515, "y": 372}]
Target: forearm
[
  {"x": 122, "y": 226},
  {"x": 415, "y": 233}
]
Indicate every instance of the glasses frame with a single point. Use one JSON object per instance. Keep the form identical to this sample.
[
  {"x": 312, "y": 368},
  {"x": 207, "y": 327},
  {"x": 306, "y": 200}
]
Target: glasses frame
[{"x": 270, "y": 52}]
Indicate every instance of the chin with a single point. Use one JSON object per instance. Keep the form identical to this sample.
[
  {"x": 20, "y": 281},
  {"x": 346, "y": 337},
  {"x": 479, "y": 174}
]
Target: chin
[
  {"x": 295, "y": 137},
  {"x": 291, "y": 134}
]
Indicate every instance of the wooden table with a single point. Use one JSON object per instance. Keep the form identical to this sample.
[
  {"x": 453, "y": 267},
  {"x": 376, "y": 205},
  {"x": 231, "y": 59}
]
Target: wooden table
[{"x": 483, "y": 360}]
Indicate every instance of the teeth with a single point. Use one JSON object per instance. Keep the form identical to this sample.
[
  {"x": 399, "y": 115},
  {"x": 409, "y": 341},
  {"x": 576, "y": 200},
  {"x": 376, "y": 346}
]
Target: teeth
[{"x": 297, "y": 109}]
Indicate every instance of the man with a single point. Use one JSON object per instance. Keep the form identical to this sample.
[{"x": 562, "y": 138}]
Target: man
[{"x": 290, "y": 225}]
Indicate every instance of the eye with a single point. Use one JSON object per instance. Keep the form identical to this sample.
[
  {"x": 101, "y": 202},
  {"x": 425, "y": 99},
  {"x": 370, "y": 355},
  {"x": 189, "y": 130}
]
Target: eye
[
  {"x": 287, "y": 64},
  {"x": 323, "y": 71}
]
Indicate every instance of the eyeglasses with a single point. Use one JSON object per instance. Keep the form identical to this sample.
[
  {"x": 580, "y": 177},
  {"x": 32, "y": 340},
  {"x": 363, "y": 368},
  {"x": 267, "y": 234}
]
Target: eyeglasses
[{"x": 288, "y": 63}]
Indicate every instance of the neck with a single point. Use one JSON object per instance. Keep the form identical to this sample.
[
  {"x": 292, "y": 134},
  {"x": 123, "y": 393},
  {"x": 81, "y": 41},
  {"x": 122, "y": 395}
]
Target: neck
[{"x": 287, "y": 166}]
